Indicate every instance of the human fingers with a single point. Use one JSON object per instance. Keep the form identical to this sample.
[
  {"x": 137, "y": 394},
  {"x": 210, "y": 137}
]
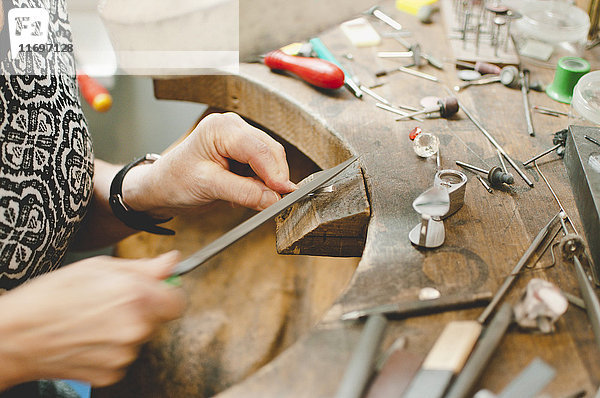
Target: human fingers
[
  {"x": 160, "y": 267},
  {"x": 244, "y": 191},
  {"x": 236, "y": 139}
]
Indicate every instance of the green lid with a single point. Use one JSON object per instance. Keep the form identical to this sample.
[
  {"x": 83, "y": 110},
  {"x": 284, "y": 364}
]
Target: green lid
[{"x": 568, "y": 72}]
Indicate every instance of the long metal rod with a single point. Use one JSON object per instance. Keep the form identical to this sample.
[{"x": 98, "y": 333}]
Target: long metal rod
[
  {"x": 373, "y": 94},
  {"x": 396, "y": 111},
  {"x": 536, "y": 157},
  {"x": 417, "y": 73},
  {"x": 471, "y": 167},
  {"x": 513, "y": 275},
  {"x": 592, "y": 305},
  {"x": 502, "y": 164},
  {"x": 524, "y": 92},
  {"x": 493, "y": 141},
  {"x": 362, "y": 363}
]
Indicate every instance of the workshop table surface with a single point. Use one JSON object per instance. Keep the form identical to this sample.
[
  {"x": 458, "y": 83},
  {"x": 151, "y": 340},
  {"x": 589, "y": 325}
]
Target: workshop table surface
[{"x": 484, "y": 240}]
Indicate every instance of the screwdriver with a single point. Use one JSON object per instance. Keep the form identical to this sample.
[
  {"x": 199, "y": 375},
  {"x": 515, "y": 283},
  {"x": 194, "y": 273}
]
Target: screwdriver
[
  {"x": 323, "y": 52},
  {"x": 318, "y": 72}
]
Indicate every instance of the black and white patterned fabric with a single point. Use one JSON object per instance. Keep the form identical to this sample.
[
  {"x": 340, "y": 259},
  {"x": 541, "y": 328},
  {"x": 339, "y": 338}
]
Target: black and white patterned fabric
[{"x": 46, "y": 161}]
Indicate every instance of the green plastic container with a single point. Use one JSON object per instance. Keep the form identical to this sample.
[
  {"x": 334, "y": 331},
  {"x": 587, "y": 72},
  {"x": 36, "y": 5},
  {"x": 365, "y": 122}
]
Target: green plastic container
[{"x": 568, "y": 72}]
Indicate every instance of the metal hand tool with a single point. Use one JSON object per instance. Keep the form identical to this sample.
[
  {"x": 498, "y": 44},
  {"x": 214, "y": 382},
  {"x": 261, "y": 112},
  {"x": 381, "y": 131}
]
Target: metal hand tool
[
  {"x": 536, "y": 157},
  {"x": 362, "y": 362},
  {"x": 485, "y": 80},
  {"x": 383, "y": 17},
  {"x": 481, "y": 355},
  {"x": 422, "y": 307},
  {"x": 427, "y": 57},
  {"x": 259, "y": 219},
  {"x": 496, "y": 176},
  {"x": 493, "y": 141},
  {"x": 323, "y": 52},
  {"x": 535, "y": 244},
  {"x": 445, "y": 106},
  {"x": 485, "y": 185},
  {"x": 524, "y": 75},
  {"x": 373, "y": 94},
  {"x": 396, "y": 111},
  {"x": 560, "y": 140},
  {"x": 417, "y": 73},
  {"x": 395, "y": 54}
]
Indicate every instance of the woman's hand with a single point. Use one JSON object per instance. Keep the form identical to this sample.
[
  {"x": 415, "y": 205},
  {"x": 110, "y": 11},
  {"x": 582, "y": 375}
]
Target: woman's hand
[
  {"x": 196, "y": 172},
  {"x": 85, "y": 321}
]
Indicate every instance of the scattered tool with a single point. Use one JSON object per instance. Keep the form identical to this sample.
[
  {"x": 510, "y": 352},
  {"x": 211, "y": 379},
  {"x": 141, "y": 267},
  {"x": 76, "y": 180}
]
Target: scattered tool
[
  {"x": 445, "y": 106},
  {"x": 383, "y": 17},
  {"x": 485, "y": 68},
  {"x": 524, "y": 74},
  {"x": 445, "y": 359},
  {"x": 508, "y": 76},
  {"x": 496, "y": 176},
  {"x": 410, "y": 72},
  {"x": 466, "y": 380},
  {"x": 395, "y": 110},
  {"x": 323, "y": 52},
  {"x": 535, "y": 244},
  {"x": 548, "y": 111},
  {"x": 423, "y": 307},
  {"x": 318, "y": 72},
  {"x": 362, "y": 363},
  {"x": 417, "y": 48},
  {"x": 485, "y": 185},
  {"x": 494, "y": 142},
  {"x": 94, "y": 93},
  {"x": 559, "y": 141},
  {"x": 478, "y": 82},
  {"x": 259, "y": 219}
]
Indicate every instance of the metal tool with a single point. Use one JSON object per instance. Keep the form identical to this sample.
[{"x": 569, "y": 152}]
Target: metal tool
[
  {"x": 373, "y": 94},
  {"x": 395, "y": 110},
  {"x": 560, "y": 139},
  {"x": 383, "y": 17},
  {"x": 496, "y": 176},
  {"x": 431, "y": 205},
  {"x": 535, "y": 244},
  {"x": 427, "y": 57},
  {"x": 501, "y": 161},
  {"x": 395, "y": 54},
  {"x": 590, "y": 139},
  {"x": 493, "y": 141},
  {"x": 549, "y": 111},
  {"x": 485, "y": 185},
  {"x": 410, "y": 72},
  {"x": 422, "y": 307},
  {"x": 259, "y": 219},
  {"x": 524, "y": 74},
  {"x": 499, "y": 22},
  {"x": 362, "y": 363},
  {"x": 445, "y": 106},
  {"x": 485, "y": 80},
  {"x": 323, "y": 52},
  {"x": 481, "y": 355},
  {"x": 456, "y": 184}
]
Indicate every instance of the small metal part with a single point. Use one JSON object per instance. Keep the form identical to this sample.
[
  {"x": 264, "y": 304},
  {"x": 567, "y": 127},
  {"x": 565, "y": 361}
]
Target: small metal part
[
  {"x": 395, "y": 110},
  {"x": 395, "y": 54},
  {"x": 509, "y": 76},
  {"x": 502, "y": 164},
  {"x": 429, "y": 293},
  {"x": 348, "y": 56},
  {"x": 373, "y": 94},
  {"x": 445, "y": 106},
  {"x": 362, "y": 363},
  {"x": 524, "y": 75},
  {"x": 417, "y": 73},
  {"x": 498, "y": 23},
  {"x": 431, "y": 205},
  {"x": 485, "y": 80},
  {"x": 559, "y": 141},
  {"x": 485, "y": 185},
  {"x": 496, "y": 176},
  {"x": 549, "y": 111},
  {"x": 536, "y": 157},
  {"x": 535, "y": 244},
  {"x": 587, "y": 137},
  {"x": 478, "y": 124},
  {"x": 383, "y": 17}
]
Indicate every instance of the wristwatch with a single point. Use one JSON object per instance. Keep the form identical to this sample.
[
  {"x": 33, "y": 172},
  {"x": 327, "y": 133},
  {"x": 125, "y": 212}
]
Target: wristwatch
[{"x": 134, "y": 219}]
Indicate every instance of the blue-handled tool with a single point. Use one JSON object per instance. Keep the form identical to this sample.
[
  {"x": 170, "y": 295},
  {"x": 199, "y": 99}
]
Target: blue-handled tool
[{"x": 323, "y": 52}]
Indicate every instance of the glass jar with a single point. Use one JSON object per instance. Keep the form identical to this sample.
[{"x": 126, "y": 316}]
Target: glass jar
[{"x": 585, "y": 105}]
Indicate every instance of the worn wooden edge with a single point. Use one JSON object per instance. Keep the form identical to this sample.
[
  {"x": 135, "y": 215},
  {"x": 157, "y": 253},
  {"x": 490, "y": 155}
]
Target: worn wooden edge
[{"x": 329, "y": 223}]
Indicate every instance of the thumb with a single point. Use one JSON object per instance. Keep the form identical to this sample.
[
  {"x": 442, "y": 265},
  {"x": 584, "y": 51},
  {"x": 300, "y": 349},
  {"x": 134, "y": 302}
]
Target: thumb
[{"x": 244, "y": 191}]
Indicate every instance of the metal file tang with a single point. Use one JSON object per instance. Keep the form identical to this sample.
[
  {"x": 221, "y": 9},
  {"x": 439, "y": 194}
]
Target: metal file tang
[{"x": 202, "y": 255}]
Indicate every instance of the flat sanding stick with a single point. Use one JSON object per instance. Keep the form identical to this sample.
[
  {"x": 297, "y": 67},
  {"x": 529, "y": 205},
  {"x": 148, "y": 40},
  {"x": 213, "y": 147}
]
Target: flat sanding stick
[{"x": 444, "y": 360}]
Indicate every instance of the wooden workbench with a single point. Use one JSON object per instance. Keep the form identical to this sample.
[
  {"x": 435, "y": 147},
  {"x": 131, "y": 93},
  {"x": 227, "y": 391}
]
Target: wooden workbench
[{"x": 484, "y": 240}]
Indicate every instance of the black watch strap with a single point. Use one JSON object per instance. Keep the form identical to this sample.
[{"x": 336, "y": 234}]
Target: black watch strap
[{"x": 134, "y": 219}]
